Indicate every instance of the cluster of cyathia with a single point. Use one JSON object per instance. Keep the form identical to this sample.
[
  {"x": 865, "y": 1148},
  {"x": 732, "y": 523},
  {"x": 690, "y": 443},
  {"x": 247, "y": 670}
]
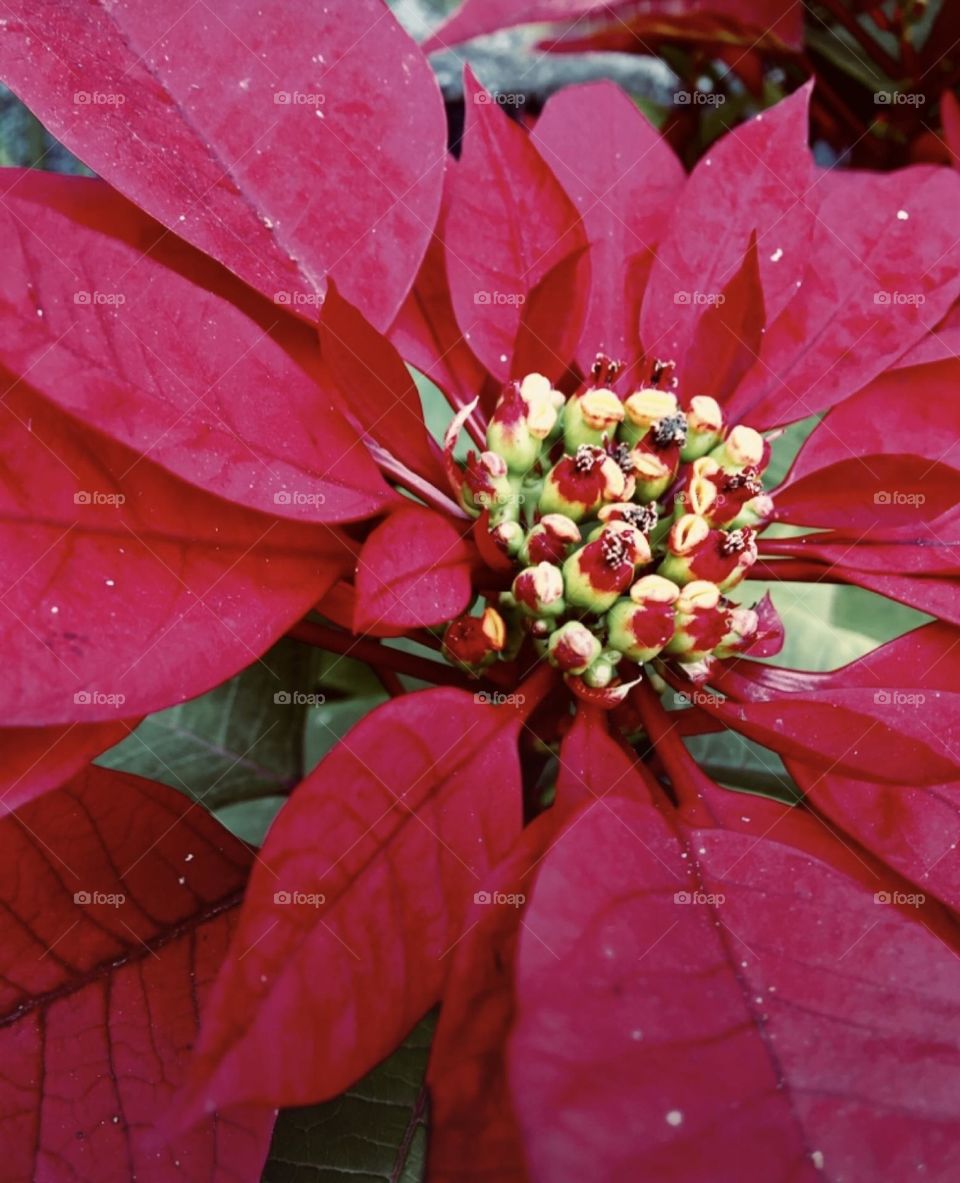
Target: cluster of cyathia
[{"x": 629, "y": 519}]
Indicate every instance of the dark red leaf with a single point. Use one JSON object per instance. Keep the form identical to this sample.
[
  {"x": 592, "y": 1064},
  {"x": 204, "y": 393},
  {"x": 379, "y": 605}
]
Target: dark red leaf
[
  {"x": 127, "y": 590},
  {"x": 883, "y": 265},
  {"x": 623, "y": 178},
  {"x": 747, "y": 1011},
  {"x": 753, "y": 182},
  {"x": 119, "y": 896},
  {"x": 473, "y": 1133},
  {"x": 728, "y": 336},
  {"x": 34, "y": 760},
  {"x": 508, "y": 224},
  {"x": 246, "y": 131},
  {"x": 881, "y": 459},
  {"x": 426, "y": 330},
  {"x": 390, "y": 836},
  {"x": 377, "y": 391},
  {"x": 141, "y": 337},
  {"x": 552, "y": 320},
  {"x": 413, "y": 572}
]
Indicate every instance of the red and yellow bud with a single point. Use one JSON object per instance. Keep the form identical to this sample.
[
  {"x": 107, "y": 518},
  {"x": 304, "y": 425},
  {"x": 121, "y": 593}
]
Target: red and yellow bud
[
  {"x": 573, "y": 647},
  {"x": 695, "y": 550},
  {"x": 704, "y": 427},
  {"x": 701, "y": 621},
  {"x": 550, "y": 540},
  {"x": 642, "y": 625},
  {"x": 578, "y": 485},
  {"x": 474, "y": 641},
  {"x": 539, "y": 590},
  {"x": 599, "y": 572},
  {"x": 486, "y": 482}
]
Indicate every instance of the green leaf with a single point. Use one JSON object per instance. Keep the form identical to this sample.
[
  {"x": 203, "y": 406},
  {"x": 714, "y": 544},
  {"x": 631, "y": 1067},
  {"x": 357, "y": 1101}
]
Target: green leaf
[
  {"x": 242, "y": 741},
  {"x": 739, "y": 763},
  {"x": 373, "y": 1133}
]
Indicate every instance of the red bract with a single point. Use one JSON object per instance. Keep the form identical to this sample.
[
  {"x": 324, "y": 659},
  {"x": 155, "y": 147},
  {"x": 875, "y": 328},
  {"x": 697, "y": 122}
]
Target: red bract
[
  {"x": 641, "y": 974},
  {"x": 119, "y": 897},
  {"x": 624, "y": 23}
]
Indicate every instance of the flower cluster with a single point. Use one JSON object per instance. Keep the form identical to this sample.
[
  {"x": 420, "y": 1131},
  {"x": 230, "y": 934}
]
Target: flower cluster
[{"x": 628, "y": 517}]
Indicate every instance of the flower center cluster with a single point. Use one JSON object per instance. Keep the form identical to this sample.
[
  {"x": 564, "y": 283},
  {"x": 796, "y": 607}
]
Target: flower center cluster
[{"x": 623, "y": 522}]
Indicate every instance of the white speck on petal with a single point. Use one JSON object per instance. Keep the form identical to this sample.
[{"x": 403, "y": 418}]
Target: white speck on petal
[
  {"x": 674, "y": 1117},
  {"x": 816, "y": 1157},
  {"x": 902, "y": 215},
  {"x": 503, "y": 357},
  {"x": 777, "y": 255},
  {"x": 110, "y": 583},
  {"x": 54, "y": 610}
]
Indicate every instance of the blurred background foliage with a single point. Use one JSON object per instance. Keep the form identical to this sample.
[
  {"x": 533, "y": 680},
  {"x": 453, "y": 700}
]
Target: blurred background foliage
[{"x": 241, "y": 749}]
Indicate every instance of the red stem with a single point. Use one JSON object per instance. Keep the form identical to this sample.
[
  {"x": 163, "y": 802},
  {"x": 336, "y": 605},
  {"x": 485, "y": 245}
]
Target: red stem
[
  {"x": 390, "y": 682},
  {"x": 793, "y": 570},
  {"x": 407, "y": 479},
  {"x": 671, "y": 750},
  {"x": 379, "y": 656}
]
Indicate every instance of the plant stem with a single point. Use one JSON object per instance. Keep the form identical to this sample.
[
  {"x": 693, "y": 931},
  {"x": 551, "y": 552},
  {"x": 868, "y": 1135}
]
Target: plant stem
[{"x": 380, "y": 656}]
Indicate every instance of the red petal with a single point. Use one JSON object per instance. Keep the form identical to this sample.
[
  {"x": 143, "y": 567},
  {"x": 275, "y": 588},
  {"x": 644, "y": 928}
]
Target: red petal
[
  {"x": 473, "y": 1132},
  {"x": 622, "y": 177},
  {"x": 508, "y": 224},
  {"x": 552, "y": 320},
  {"x": 277, "y": 194},
  {"x": 827, "y": 1037},
  {"x": 881, "y": 458},
  {"x": 413, "y": 572},
  {"x": 855, "y": 730},
  {"x": 179, "y": 360},
  {"x": 728, "y": 336},
  {"x": 376, "y": 388},
  {"x": 99, "y": 999},
  {"x": 34, "y": 760},
  {"x": 395, "y": 831},
  {"x": 883, "y": 265},
  {"x": 426, "y": 330},
  {"x": 127, "y": 590},
  {"x": 752, "y": 182}
]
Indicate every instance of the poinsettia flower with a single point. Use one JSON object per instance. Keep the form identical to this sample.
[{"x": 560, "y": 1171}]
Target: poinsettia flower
[
  {"x": 576, "y": 299},
  {"x": 797, "y": 332}
]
